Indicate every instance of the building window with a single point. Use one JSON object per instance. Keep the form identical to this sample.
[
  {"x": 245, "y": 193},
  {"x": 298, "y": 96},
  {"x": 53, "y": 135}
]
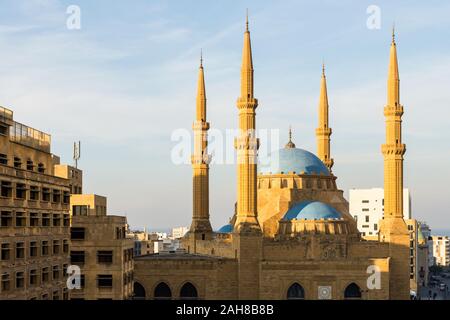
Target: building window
[
  {"x": 66, "y": 220},
  {"x": 44, "y": 248},
  {"x": 20, "y": 250},
  {"x": 17, "y": 163},
  {"x": 66, "y": 197},
  {"x": 365, "y": 201},
  {"x": 162, "y": 292},
  {"x": 375, "y": 226},
  {"x": 20, "y": 282},
  {"x": 41, "y": 168},
  {"x": 56, "y": 245},
  {"x": 5, "y": 252},
  {"x": 34, "y": 193},
  {"x": 46, "y": 194},
  {"x": 45, "y": 296},
  {"x": 21, "y": 221},
  {"x": 33, "y": 277},
  {"x": 352, "y": 292},
  {"x": 82, "y": 281},
  {"x": 56, "y": 219},
  {"x": 21, "y": 191},
  {"x": 104, "y": 281},
  {"x": 365, "y": 209},
  {"x": 46, "y": 220},
  {"x": 30, "y": 165},
  {"x": 6, "y": 219},
  {"x": 3, "y": 159},
  {"x": 55, "y": 272},
  {"x": 80, "y": 210},
  {"x": 105, "y": 257},
  {"x": 65, "y": 294},
  {"x": 33, "y": 249},
  {"x": 77, "y": 233},
  {"x": 56, "y": 295},
  {"x": 77, "y": 257},
  {"x": 188, "y": 291},
  {"x": 65, "y": 246},
  {"x": 45, "y": 274},
  {"x": 296, "y": 292},
  {"x": 367, "y": 218},
  {"x": 56, "y": 196},
  {"x": 34, "y": 219},
  {"x": 6, "y": 189},
  {"x": 6, "y": 282}
]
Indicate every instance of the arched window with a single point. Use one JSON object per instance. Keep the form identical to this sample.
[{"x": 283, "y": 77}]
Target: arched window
[
  {"x": 296, "y": 292},
  {"x": 188, "y": 291},
  {"x": 162, "y": 292},
  {"x": 352, "y": 291},
  {"x": 138, "y": 291}
]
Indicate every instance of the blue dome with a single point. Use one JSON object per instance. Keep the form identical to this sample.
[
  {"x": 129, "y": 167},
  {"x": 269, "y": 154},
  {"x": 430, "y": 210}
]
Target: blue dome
[
  {"x": 312, "y": 210},
  {"x": 293, "y": 160},
  {"x": 226, "y": 229}
]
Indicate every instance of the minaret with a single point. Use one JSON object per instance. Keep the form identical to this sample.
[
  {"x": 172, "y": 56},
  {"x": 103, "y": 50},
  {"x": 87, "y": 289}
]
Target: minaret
[
  {"x": 246, "y": 145},
  {"x": 323, "y": 131},
  {"x": 393, "y": 228},
  {"x": 201, "y": 225}
]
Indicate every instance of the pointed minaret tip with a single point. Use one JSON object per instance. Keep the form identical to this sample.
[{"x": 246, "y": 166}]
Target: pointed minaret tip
[
  {"x": 201, "y": 58},
  {"x": 393, "y": 33},
  {"x": 246, "y": 20},
  {"x": 323, "y": 68}
]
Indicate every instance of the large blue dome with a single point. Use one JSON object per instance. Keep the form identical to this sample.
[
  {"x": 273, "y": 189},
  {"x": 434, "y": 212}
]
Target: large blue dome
[
  {"x": 293, "y": 160},
  {"x": 228, "y": 228},
  {"x": 312, "y": 210}
]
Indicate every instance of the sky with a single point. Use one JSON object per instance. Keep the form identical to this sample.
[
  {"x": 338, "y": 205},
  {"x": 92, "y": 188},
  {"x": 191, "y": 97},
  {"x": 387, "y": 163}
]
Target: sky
[{"x": 126, "y": 80}]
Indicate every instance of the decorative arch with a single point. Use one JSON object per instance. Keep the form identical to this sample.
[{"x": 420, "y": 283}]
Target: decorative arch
[
  {"x": 162, "y": 292},
  {"x": 296, "y": 292},
  {"x": 138, "y": 291},
  {"x": 352, "y": 291},
  {"x": 188, "y": 291}
]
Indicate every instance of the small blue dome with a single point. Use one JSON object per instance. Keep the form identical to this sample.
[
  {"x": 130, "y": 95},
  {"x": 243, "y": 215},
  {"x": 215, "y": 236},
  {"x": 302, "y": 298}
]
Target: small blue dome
[
  {"x": 226, "y": 229},
  {"x": 296, "y": 160},
  {"x": 312, "y": 210}
]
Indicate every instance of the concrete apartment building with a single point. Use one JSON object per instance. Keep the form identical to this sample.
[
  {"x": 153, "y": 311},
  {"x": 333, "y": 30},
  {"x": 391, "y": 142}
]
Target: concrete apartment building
[
  {"x": 34, "y": 215},
  {"x": 100, "y": 248},
  {"x": 441, "y": 250},
  {"x": 367, "y": 207}
]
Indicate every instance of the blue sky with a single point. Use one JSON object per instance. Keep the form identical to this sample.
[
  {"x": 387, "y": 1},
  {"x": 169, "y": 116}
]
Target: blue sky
[{"x": 127, "y": 79}]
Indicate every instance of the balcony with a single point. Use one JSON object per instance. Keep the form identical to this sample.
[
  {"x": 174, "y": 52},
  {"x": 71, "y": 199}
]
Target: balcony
[{"x": 29, "y": 137}]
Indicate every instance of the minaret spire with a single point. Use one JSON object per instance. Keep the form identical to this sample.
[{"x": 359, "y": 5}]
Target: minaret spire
[
  {"x": 201, "y": 226},
  {"x": 247, "y": 145},
  {"x": 323, "y": 131},
  {"x": 290, "y": 144},
  {"x": 393, "y": 228}
]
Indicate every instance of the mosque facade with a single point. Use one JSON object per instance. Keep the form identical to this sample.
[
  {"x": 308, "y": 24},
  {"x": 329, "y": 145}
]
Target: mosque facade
[{"x": 291, "y": 236}]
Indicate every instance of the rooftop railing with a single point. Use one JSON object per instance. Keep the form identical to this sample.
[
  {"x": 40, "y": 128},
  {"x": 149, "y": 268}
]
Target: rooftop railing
[
  {"x": 30, "y": 137},
  {"x": 6, "y": 115}
]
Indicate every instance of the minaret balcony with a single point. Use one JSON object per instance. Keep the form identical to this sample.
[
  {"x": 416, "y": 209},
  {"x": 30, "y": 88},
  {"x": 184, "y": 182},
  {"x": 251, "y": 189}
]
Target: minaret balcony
[
  {"x": 393, "y": 110},
  {"x": 393, "y": 149},
  {"x": 247, "y": 103},
  {"x": 200, "y": 125},
  {"x": 323, "y": 131}
]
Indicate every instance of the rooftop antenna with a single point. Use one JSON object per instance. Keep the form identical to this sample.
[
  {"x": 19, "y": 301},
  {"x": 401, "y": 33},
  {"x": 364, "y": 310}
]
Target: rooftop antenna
[{"x": 76, "y": 153}]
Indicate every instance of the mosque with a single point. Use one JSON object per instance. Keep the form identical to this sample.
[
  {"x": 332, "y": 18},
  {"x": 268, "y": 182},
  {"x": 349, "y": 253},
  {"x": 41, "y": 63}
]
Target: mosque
[{"x": 292, "y": 236}]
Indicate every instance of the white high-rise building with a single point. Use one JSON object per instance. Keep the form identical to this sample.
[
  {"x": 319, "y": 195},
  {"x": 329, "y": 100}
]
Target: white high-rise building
[
  {"x": 441, "y": 250},
  {"x": 367, "y": 207},
  {"x": 179, "y": 232}
]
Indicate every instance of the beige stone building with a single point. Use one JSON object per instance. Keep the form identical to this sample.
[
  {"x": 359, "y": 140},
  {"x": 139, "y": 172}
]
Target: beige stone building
[
  {"x": 292, "y": 236},
  {"x": 100, "y": 248},
  {"x": 441, "y": 250},
  {"x": 34, "y": 215}
]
